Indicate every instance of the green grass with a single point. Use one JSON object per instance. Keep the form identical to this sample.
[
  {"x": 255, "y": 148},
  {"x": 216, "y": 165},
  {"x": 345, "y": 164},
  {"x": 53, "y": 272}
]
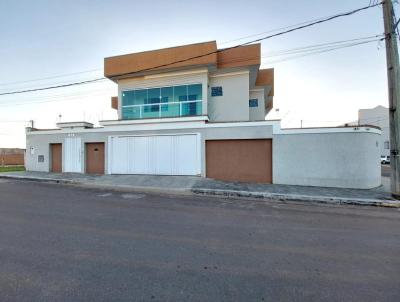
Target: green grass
[{"x": 12, "y": 168}]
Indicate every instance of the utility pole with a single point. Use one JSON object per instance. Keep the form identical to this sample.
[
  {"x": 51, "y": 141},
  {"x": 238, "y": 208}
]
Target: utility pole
[{"x": 392, "y": 61}]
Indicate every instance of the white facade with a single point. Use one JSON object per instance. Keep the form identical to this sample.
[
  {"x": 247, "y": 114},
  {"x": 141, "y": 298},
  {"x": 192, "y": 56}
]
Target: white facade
[
  {"x": 330, "y": 157},
  {"x": 233, "y": 105},
  {"x": 162, "y": 130}
]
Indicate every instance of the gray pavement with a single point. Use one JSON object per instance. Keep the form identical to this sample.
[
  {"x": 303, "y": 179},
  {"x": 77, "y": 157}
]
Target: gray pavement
[
  {"x": 204, "y": 186},
  {"x": 66, "y": 243}
]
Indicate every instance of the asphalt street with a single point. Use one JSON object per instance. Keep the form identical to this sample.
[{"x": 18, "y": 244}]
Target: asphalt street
[{"x": 64, "y": 243}]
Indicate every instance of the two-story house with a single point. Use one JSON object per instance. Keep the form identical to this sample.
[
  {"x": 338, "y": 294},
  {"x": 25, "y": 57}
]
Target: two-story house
[
  {"x": 187, "y": 110},
  {"x": 199, "y": 110}
]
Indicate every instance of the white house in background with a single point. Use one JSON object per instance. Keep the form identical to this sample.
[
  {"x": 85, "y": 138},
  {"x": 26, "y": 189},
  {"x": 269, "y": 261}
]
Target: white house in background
[
  {"x": 378, "y": 116},
  {"x": 198, "y": 110}
]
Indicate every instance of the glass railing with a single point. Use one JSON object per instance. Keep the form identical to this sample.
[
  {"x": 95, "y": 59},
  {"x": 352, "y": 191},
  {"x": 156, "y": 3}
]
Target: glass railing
[{"x": 160, "y": 110}]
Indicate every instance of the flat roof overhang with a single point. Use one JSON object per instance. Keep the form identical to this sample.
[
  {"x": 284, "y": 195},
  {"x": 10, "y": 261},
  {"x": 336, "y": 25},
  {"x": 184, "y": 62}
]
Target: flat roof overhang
[
  {"x": 203, "y": 54},
  {"x": 161, "y": 60}
]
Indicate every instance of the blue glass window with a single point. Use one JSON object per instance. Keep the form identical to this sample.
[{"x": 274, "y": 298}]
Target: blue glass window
[
  {"x": 153, "y": 95},
  {"x": 216, "y": 91},
  {"x": 167, "y": 94},
  {"x": 194, "y": 92},
  {"x": 180, "y": 93},
  {"x": 173, "y": 101},
  {"x": 128, "y": 97},
  {"x": 253, "y": 103},
  {"x": 140, "y": 97}
]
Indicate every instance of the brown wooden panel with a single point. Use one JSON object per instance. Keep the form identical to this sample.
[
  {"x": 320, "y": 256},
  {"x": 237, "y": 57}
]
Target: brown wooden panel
[
  {"x": 11, "y": 159},
  {"x": 95, "y": 158},
  {"x": 265, "y": 77},
  {"x": 240, "y": 56},
  {"x": 240, "y": 160},
  {"x": 56, "y": 158},
  {"x": 114, "y": 102},
  {"x": 130, "y": 65}
]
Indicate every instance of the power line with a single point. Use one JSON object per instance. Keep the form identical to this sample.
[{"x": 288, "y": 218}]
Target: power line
[
  {"x": 199, "y": 56},
  {"x": 50, "y": 99},
  {"x": 65, "y": 97},
  {"x": 322, "y": 51},
  {"x": 318, "y": 46},
  {"x": 273, "y": 30},
  {"x": 254, "y": 41},
  {"x": 54, "y": 87},
  {"x": 306, "y": 53},
  {"x": 50, "y": 77}
]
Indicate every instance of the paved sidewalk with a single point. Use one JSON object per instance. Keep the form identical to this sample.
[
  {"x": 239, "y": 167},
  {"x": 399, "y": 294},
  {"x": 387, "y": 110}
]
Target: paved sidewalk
[{"x": 205, "y": 186}]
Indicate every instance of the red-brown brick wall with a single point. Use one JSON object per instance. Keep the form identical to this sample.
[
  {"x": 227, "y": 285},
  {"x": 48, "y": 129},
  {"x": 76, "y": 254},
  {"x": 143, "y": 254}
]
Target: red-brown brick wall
[{"x": 11, "y": 159}]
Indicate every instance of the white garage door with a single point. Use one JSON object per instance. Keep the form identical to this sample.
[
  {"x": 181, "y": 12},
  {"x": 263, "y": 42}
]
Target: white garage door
[
  {"x": 157, "y": 155},
  {"x": 72, "y": 155}
]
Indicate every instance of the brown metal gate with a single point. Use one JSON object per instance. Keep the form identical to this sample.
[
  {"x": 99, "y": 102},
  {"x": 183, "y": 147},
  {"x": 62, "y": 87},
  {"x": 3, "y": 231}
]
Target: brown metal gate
[
  {"x": 56, "y": 158},
  {"x": 247, "y": 160},
  {"x": 95, "y": 158}
]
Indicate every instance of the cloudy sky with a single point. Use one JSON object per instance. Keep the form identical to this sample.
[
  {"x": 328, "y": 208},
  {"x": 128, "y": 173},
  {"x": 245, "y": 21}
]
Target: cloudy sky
[{"x": 47, "y": 43}]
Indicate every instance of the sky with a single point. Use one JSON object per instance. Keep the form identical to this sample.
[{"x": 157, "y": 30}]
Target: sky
[{"x": 45, "y": 43}]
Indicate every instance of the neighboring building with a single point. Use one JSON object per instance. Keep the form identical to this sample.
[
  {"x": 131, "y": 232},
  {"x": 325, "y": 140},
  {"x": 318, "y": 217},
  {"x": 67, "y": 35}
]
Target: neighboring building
[
  {"x": 11, "y": 156},
  {"x": 378, "y": 116},
  {"x": 197, "y": 110}
]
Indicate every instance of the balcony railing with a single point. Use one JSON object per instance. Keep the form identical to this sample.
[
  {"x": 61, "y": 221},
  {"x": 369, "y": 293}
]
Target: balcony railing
[{"x": 170, "y": 109}]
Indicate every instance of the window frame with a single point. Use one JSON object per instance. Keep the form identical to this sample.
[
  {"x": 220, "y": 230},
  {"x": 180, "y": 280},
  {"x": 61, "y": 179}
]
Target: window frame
[
  {"x": 161, "y": 103},
  {"x": 253, "y": 103}
]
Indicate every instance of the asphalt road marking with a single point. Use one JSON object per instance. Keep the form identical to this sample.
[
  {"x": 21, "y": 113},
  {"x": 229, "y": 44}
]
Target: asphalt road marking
[
  {"x": 104, "y": 195},
  {"x": 132, "y": 196}
]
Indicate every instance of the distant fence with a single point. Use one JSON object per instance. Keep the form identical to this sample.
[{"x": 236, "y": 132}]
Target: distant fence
[{"x": 11, "y": 159}]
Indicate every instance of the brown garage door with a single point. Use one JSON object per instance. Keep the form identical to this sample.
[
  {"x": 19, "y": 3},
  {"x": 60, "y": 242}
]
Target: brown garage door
[
  {"x": 95, "y": 158},
  {"x": 56, "y": 158},
  {"x": 248, "y": 160}
]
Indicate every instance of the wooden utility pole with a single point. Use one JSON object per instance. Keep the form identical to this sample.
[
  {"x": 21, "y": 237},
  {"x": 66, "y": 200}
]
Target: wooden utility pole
[{"x": 392, "y": 61}]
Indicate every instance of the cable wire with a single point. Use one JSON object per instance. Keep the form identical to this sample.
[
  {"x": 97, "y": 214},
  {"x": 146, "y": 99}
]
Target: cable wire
[
  {"x": 199, "y": 56},
  {"x": 322, "y": 51},
  {"x": 49, "y": 77}
]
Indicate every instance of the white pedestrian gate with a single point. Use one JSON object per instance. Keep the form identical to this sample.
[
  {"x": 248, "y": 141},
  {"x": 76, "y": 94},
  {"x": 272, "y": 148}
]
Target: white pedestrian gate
[
  {"x": 72, "y": 155},
  {"x": 157, "y": 155}
]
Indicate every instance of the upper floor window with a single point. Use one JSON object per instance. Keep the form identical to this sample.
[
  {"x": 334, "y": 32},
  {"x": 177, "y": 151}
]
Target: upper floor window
[
  {"x": 216, "y": 91},
  {"x": 253, "y": 103},
  {"x": 171, "y": 101}
]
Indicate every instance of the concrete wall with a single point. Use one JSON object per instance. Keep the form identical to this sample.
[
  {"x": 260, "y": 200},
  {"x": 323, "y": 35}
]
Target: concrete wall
[
  {"x": 40, "y": 142},
  {"x": 343, "y": 157},
  {"x": 233, "y": 105},
  {"x": 257, "y": 113},
  {"x": 332, "y": 157}
]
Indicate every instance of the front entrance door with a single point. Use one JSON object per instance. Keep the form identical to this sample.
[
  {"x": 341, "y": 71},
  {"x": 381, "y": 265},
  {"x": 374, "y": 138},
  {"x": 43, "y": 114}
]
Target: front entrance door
[
  {"x": 56, "y": 158},
  {"x": 95, "y": 158}
]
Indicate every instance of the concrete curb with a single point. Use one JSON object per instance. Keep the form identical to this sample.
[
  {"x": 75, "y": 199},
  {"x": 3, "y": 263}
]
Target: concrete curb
[
  {"x": 234, "y": 194},
  {"x": 39, "y": 179},
  {"x": 122, "y": 188},
  {"x": 294, "y": 197},
  {"x": 129, "y": 188}
]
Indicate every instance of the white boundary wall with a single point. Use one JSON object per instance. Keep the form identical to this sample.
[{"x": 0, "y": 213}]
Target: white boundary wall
[{"x": 327, "y": 157}]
